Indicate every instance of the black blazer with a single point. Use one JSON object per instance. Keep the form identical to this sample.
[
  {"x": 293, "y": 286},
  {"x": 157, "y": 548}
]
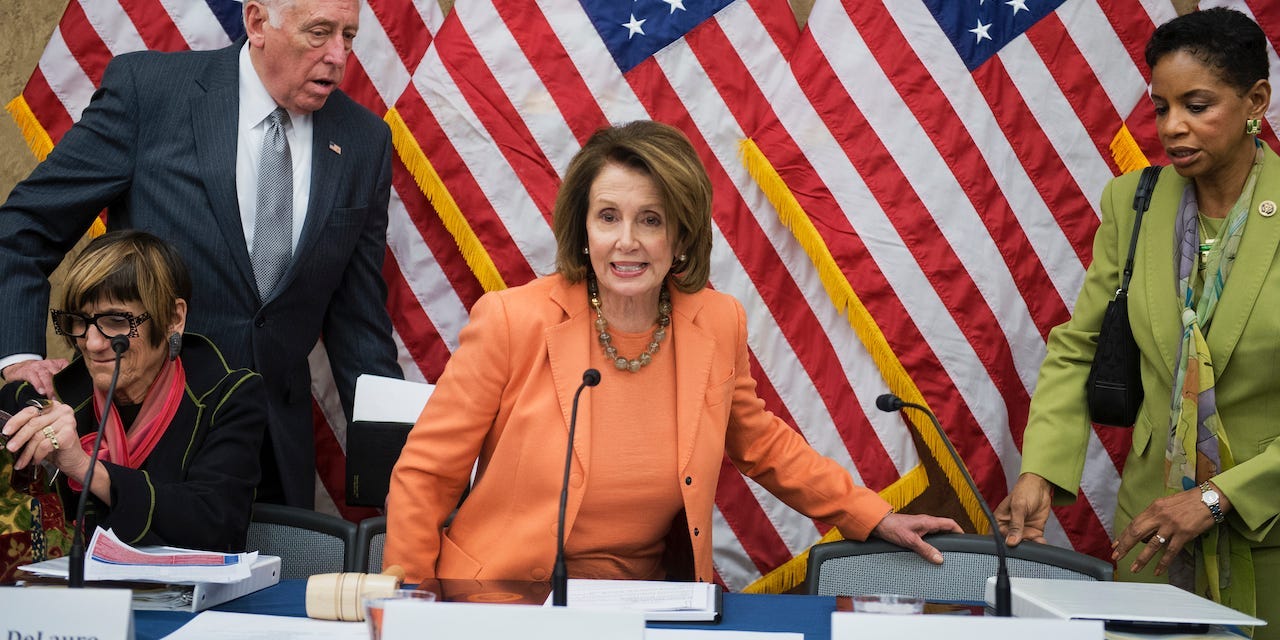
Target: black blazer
[
  {"x": 157, "y": 146},
  {"x": 196, "y": 488}
]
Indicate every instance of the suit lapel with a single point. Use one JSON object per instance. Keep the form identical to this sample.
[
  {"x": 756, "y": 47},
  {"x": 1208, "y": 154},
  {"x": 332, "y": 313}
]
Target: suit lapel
[
  {"x": 567, "y": 345},
  {"x": 1257, "y": 254},
  {"x": 693, "y": 347},
  {"x": 215, "y": 123},
  {"x": 1258, "y": 249},
  {"x": 1160, "y": 292},
  {"x": 326, "y": 167}
]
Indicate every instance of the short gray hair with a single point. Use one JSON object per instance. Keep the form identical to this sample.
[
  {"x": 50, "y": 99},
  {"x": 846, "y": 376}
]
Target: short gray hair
[{"x": 274, "y": 9}]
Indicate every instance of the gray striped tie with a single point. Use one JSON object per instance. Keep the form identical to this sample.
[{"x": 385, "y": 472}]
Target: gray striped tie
[{"x": 273, "y": 228}]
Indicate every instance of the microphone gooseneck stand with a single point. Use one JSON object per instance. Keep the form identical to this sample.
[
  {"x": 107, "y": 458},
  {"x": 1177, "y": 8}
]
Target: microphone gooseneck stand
[
  {"x": 890, "y": 403},
  {"x": 560, "y": 575},
  {"x": 75, "y": 578}
]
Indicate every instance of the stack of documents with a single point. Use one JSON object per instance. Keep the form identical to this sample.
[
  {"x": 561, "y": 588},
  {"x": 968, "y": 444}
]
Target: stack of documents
[
  {"x": 382, "y": 399},
  {"x": 660, "y": 601},
  {"x": 181, "y": 579}
]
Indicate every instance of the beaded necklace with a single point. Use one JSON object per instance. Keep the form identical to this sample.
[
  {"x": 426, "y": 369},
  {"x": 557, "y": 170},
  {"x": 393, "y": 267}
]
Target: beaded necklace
[{"x": 606, "y": 340}]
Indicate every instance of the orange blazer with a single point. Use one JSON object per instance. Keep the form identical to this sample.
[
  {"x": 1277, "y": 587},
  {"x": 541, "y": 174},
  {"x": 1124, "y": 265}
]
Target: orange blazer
[{"x": 505, "y": 398}]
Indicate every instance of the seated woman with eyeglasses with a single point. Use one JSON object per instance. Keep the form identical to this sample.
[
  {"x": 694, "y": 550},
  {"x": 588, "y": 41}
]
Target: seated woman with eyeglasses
[{"x": 178, "y": 461}]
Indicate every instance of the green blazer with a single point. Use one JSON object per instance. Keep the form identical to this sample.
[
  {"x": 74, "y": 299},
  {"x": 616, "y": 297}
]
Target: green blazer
[{"x": 1243, "y": 339}]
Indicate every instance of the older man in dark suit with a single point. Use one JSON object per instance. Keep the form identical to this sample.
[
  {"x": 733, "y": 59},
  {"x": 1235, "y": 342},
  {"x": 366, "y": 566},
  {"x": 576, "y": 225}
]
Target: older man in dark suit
[{"x": 271, "y": 182}]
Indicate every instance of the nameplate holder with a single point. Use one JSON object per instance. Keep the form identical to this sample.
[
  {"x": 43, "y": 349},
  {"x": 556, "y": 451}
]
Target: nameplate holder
[
  {"x": 879, "y": 626},
  {"x": 408, "y": 620},
  {"x": 41, "y": 613}
]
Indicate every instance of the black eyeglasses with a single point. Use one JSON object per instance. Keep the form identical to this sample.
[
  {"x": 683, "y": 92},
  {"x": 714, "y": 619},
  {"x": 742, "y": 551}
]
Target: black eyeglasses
[{"x": 111, "y": 324}]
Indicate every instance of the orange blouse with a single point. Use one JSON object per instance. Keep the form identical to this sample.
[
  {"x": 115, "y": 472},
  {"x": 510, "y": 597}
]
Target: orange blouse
[{"x": 633, "y": 494}]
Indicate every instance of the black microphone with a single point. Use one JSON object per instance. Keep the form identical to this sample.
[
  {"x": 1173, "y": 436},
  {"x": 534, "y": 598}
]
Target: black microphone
[
  {"x": 75, "y": 577},
  {"x": 890, "y": 403},
  {"x": 560, "y": 575}
]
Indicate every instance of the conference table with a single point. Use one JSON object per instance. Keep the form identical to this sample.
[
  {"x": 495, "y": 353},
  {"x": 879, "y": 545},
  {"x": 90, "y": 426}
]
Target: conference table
[{"x": 810, "y": 615}]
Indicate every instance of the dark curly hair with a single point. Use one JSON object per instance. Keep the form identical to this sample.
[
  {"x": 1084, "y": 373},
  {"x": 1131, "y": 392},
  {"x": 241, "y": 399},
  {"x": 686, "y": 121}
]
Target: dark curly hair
[{"x": 1223, "y": 39}]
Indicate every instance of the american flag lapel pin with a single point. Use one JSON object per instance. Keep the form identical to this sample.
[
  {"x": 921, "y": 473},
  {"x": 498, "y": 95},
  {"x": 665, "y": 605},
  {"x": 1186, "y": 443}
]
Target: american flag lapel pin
[{"x": 333, "y": 146}]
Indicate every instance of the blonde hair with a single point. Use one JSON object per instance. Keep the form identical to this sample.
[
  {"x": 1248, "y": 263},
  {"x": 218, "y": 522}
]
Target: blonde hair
[
  {"x": 663, "y": 153},
  {"x": 129, "y": 266}
]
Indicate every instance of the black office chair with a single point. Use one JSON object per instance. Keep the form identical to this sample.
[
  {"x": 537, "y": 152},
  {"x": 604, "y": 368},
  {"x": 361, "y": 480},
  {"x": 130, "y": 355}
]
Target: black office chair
[
  {"x": 846, "y": 567},
  {"x": 371, "y": 537},
  {"x": 308, "y": 542}
]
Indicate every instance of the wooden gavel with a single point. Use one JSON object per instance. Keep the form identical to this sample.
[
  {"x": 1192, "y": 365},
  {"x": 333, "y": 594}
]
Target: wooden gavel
[{"x": 340, "y": 596}]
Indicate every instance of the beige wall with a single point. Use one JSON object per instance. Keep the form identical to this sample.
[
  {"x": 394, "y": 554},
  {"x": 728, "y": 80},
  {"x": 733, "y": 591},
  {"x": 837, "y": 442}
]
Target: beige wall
[{"x": 23, "y": 34}]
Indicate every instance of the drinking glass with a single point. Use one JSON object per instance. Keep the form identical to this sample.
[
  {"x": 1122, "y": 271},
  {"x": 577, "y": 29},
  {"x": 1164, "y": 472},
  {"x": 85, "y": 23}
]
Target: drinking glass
[{"x": 373, "y": 606}]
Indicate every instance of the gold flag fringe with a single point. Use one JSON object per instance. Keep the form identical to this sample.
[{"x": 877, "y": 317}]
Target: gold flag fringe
[
  {"x": 1126, "y": 153},
  {"x": 41, "y": 144},
  {"x": 1128, "y": 157},
  {"x": 846, "y": 301},
  {"x": 38, "y": 139},
  {"x": 446, "y": 207},
  {"x": 792, "y": 572}
]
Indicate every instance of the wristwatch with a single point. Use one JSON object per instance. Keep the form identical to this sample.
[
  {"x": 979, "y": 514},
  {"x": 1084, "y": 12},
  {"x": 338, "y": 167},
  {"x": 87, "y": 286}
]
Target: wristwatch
[{"x": 1210, "y": 499}]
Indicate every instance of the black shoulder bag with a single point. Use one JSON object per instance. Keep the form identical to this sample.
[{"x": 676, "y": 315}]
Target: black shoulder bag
[{"x": 1114, "y": 386}]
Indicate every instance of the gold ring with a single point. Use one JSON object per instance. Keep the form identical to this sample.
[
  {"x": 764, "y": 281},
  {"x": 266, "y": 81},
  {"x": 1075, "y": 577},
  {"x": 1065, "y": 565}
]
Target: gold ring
[
  {"x": 1159, "y": 538},
  {"x": 53, "y": 438}
]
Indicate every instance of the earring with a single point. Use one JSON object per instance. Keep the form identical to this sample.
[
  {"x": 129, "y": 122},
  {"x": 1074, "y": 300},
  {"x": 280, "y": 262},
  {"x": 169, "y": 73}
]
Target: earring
[
  {"x": 175, "y": 345},
  {"x": 586, "y": 251},
  {"x": 681, "y": 263},
  {"x": 1253, "y": 126}
]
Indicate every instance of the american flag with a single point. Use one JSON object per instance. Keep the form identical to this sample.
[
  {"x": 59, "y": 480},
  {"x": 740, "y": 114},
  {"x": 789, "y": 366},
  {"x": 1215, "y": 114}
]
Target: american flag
[
  {"x": 905, "y": 194},
  {"x": 947, "y": 157}
]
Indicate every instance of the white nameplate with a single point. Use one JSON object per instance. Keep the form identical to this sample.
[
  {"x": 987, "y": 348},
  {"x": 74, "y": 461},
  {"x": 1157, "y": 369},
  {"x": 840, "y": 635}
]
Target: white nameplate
[
  {"x": 408, "y": 620},
  {"x": 40, "y": 613},
  {"x": 878, "y": 626}
]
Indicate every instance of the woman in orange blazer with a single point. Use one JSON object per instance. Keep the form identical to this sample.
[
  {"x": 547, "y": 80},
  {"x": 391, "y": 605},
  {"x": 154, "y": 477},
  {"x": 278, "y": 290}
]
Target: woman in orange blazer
[{"x": 633, "y": 228}]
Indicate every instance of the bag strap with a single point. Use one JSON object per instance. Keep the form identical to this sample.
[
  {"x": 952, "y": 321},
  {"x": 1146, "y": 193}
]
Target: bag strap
[{"x": 1141, "y": 201}]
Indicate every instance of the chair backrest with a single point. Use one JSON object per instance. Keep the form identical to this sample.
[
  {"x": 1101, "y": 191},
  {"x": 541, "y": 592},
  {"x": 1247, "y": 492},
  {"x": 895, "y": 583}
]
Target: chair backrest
[
  {"x": 848, "y": 568},
  {"x": 371, "y": 537},
  {"x": 308, "y": 542}
]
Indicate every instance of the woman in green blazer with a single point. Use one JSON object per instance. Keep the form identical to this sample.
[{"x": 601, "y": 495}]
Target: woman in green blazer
[{"x": 1199, "y": 491}]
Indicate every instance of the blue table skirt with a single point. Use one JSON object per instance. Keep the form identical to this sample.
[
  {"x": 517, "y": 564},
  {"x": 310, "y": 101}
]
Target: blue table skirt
[{"x": 810, "y": 615}]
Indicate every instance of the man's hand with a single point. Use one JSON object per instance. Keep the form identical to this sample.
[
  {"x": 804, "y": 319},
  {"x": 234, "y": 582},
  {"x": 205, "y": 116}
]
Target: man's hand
[
  {"x": 906, "y": 531},
  {"x": 37, "y": 372},
  {"x": 1023, "y": 513}
]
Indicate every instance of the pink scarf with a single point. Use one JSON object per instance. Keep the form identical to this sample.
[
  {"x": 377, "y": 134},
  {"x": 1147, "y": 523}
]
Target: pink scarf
[{"x": 131, "y": 448}]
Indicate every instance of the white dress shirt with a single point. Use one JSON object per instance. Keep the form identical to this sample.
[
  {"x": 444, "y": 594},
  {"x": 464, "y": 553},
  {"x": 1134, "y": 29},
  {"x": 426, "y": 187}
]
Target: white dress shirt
[{"x": 255, "y": 105}]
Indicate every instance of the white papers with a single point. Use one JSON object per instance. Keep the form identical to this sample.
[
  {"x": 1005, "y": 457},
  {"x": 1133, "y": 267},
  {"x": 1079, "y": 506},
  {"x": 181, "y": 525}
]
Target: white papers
[
  {"x": 107, "y": 558},
  {"x": 1116, "y": 601},
  {"x": 216, "y": 625},
  {"x": 156, "y": 596},
  {"x": 660, "y": 601},
  {"x": 380, "y": 399}
]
